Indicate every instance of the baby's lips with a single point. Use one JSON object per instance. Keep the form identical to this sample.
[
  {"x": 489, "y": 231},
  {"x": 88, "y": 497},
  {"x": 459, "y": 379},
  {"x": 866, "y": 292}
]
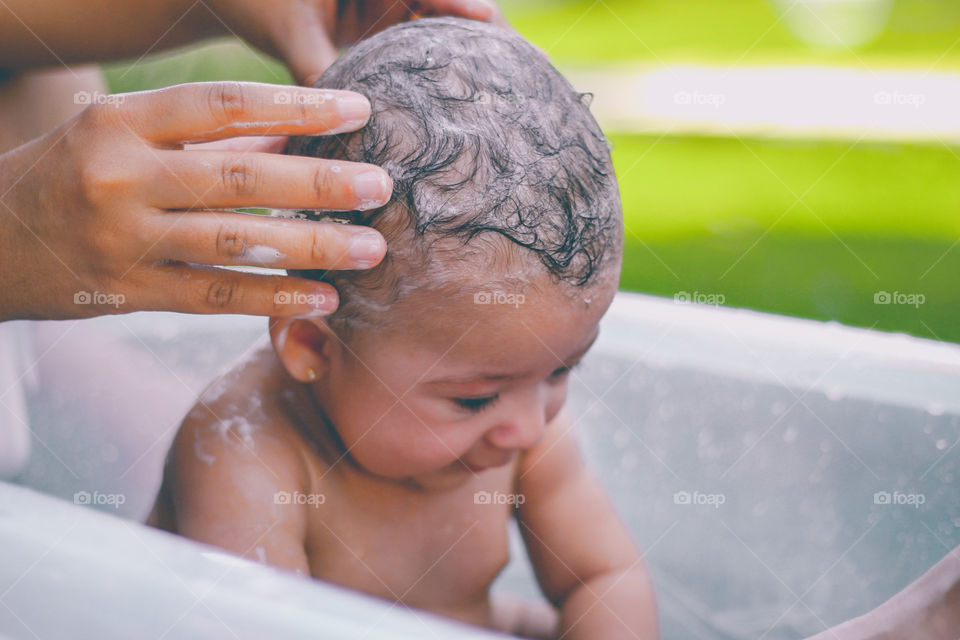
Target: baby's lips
[{"x": 491, "y": 463}]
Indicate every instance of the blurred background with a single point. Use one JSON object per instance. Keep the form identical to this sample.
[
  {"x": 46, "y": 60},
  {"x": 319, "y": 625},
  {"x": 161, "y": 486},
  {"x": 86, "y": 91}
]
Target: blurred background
[{"x": 793, "y": 156}]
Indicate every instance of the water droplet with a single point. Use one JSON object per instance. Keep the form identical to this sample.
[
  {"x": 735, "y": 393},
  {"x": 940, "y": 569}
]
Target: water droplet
[
  {"x": 621, "y": 438},
  {"x": 110, "y": 453},
  {"x": 790, "y": 435},
  {"x": 834, "y": 394}
]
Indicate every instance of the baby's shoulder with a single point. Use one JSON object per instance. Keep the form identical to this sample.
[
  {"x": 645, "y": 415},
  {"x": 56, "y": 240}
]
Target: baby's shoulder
[{"x": 237, "y": 421}]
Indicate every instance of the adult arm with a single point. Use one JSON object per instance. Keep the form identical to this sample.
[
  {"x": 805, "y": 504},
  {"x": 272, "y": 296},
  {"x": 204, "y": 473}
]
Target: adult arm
[
  {"x": 304, "y": 33},
  {"x": 928, "y": 609}
]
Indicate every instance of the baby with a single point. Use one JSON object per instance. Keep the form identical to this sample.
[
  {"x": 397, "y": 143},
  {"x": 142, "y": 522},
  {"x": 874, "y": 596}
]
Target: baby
[{"x": 385, "y": 447}]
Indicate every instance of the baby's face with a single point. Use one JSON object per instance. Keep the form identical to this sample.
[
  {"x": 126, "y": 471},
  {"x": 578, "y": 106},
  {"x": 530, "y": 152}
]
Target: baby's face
[{"x": 458, "y": 386}]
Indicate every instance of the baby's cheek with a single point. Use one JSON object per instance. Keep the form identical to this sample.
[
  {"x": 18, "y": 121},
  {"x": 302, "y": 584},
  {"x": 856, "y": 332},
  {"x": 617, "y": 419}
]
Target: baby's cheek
[
  {"x": 428, "y": 446},
  {"x": 400, "y": 443},
  {"x": 556, "y": 399}
]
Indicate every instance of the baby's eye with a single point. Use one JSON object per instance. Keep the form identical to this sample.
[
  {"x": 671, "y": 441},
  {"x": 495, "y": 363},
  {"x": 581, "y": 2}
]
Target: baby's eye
[
  {"x": 562, "y": 371},
  {"x": 475, "y": 404}
]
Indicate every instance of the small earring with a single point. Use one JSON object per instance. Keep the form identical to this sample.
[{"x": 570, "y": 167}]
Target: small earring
[{"x": 311, "y": 375}]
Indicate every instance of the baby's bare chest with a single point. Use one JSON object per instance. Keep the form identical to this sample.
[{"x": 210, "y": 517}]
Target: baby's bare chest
[{"x": 429, "y": 553}]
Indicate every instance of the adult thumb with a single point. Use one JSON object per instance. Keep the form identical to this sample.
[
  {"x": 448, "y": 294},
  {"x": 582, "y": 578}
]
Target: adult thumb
[{"x": 307, "y": 49}]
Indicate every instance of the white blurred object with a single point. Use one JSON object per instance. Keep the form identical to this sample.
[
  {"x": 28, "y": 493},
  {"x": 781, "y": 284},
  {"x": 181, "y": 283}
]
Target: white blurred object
[
  {"x": 835, "y": 24},
  {"x": 70, "y": 572},
  {"x": 16, "y": 367},
  {"x": 775, "y": 101}
]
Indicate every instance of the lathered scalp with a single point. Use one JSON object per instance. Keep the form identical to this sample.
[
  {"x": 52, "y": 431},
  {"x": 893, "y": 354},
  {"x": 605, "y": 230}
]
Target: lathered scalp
[{"x": 501, "y": 174}]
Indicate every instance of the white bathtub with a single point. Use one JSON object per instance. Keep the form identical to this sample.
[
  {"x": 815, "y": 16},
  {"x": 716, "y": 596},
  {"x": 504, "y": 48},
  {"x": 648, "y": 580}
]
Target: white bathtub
[{"x": 782, "y": 475}]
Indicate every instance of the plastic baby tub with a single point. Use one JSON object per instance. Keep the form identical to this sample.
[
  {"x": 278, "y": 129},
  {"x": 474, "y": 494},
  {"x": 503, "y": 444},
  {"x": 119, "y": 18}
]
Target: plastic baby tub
[{"x": 782, "y": 475}]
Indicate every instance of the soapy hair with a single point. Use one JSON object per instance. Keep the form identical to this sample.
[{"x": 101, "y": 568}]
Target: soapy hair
[{"x": 500, "y": 172}]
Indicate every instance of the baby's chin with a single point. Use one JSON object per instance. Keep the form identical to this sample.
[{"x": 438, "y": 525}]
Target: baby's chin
[
  {"x": 442, "y": 480},
  {"x": 445, "y": 478}
]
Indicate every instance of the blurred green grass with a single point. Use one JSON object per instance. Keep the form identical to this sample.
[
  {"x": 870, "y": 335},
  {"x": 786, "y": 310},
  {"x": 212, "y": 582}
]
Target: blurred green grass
[
  {"x": 721, "y": 216},
  {"x": 217, "y": 60},
  {"x": 810, "y": 228},
  {"x": 920, "y": 33}
]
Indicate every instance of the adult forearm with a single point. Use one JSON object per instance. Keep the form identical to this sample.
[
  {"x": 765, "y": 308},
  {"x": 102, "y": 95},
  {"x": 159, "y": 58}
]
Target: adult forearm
[
  {"x": 44, "y": 32},
  {"x": 928, "y": 609},
  {"x": 611, "y": 606}
]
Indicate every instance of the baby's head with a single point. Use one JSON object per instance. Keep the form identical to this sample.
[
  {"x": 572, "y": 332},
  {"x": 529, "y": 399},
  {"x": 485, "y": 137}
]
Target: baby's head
[{"x": 504, "y": 239}]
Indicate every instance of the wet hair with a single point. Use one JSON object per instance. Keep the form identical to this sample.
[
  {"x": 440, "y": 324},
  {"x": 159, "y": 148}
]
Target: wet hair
[{"x": 495, "y": 160}]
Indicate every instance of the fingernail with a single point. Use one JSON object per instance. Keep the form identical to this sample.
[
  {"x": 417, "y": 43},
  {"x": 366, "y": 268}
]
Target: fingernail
[
  {"x": 354, "y": 109},
  {"x": 324, "y": 303},
  {"x": 372, "y": 189},
  {"x": 365, "y": 249},
  {"x": 481, "y": 9}
]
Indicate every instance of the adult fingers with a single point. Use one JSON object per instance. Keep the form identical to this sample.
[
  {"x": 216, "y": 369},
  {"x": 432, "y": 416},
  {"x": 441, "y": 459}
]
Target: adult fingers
[
  {"x": 265, "y": 144},
  {"x": 203, "y": 111},
  {"x": 218, "y": 238},
  {"x": 189, "y": 288},
  {"x": 477, "y": 9},
  {"x": 215, "y": 180}
]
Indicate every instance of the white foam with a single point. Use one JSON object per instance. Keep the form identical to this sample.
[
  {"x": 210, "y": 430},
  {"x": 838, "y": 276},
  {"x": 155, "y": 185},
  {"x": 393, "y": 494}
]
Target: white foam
[{"x": 262, "y": 255}]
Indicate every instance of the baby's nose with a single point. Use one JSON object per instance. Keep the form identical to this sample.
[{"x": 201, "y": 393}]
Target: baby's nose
[{"x": 520, "y": 433}]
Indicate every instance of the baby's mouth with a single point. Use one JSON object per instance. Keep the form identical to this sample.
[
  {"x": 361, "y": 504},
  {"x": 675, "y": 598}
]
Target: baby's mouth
[{"x": 489, "y": 464}]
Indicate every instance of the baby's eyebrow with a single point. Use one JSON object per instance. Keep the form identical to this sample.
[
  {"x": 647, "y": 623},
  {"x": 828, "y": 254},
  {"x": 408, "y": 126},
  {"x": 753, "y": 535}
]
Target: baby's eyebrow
[
  {"x": 506, "y": 377},
  {"x": 576, "y": 358},
  {"x": 480, "y": 377}
]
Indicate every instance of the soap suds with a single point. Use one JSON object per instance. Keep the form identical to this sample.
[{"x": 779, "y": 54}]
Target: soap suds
[{"x": 262, "y": 255}]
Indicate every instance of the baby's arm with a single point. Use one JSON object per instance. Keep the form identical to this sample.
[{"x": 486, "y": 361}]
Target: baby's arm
[
  {"x": 584, "y": 558},
  {"x": 223, "y": 488}
]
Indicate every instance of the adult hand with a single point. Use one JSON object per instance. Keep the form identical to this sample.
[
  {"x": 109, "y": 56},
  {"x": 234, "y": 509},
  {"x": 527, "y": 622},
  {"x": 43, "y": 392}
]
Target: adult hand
[
  {"x": 306, "y": 33},
  {"x": 928, "y": 609},
  {"x": 109, "y": 213}
]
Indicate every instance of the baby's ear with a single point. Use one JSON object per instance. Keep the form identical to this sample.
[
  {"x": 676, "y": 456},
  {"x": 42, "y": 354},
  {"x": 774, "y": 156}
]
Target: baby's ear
[{"x": 304, "y": 346}]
